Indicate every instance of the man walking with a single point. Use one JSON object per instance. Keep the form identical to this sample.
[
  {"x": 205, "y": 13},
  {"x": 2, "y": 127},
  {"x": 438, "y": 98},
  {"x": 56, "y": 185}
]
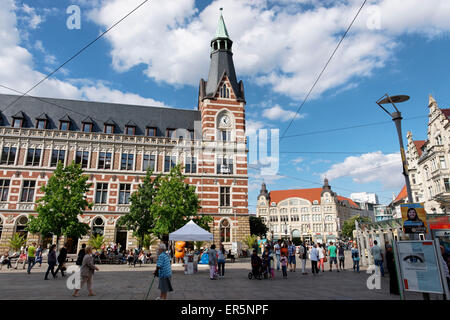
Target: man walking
[
  {"x": 164, "y": 272},
  {"x": 314, "y": 255},
  {"x": 277, "y": 248},
  {"x": 341, "y": 257},
  {"x": 302, "y": 254},
  {"x": 291, "y": 250},
  {"x": 62, "y": 260},
  {"x": 375, "y": 251},
  {"x": 332, "y": 254},
  {"x": 31, "y": 256}
]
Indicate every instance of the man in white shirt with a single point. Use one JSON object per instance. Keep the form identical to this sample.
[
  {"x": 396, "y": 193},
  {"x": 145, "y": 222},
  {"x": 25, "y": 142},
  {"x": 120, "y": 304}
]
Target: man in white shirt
[
  {"x": 375, "y": 251},
  {"x": 314, "y": 256},
  {"x": 277, "y": 248}
]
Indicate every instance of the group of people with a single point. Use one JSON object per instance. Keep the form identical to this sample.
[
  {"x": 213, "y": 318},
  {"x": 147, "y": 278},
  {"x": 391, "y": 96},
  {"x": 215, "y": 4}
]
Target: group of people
[
  {"x": 30, "y": 255},
  {"x": 282, "y": 255},
  {"x": 216, "y": 262}
]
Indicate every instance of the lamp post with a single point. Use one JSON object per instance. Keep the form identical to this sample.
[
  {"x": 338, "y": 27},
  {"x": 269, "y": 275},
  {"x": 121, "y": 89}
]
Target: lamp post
[{"x": 397, "y": 118}]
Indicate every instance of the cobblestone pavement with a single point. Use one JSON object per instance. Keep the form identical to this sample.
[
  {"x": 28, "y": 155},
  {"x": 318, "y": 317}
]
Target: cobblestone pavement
[{"x": 131, "y": 283}]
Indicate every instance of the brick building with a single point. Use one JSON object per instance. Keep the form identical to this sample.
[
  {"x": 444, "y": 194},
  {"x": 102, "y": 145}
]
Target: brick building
[{"x": 116, "y": 143}]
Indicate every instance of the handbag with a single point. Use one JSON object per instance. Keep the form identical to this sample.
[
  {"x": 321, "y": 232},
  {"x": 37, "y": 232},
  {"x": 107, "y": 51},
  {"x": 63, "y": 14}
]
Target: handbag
[{"x": 325, "y": 259}]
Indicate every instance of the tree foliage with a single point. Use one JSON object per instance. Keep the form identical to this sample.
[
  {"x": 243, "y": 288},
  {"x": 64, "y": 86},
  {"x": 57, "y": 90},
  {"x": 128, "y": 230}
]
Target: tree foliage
[
  {"x": 251, "y": 240},
  {"x": 141, "y": 217},
  {"x": 349, "y": 225},
  {"x": 258, "y": 227},
  {"x": 17, "y": 241},
  {"x": 63, "y": 201},
  {"x": 97, "y": 242}
]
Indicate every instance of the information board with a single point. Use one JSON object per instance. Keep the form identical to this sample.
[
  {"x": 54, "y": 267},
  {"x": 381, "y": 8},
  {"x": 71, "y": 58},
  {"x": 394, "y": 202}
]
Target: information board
[{"x": 419, "y": 266}]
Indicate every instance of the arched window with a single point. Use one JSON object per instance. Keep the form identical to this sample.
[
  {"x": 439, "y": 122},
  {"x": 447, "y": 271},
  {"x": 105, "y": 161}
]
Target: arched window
[
  {"x": 98, "y": 227},
  {"x": 21, "y": 224},
  {"x": 225, "y": 231},
  {"x": 224, "y": 91}
]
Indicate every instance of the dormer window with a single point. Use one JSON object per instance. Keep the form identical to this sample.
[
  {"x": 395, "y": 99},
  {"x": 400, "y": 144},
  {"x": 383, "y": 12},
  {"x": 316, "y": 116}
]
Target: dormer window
[
  {"x": 109, "y": 128},
  {"x": 130, "y": 128},
  {"x": 41, "y": 121},
  {"x": 64, "y": 123},
  {"x": 151, "y": 132},
  {"x": 88, "y": 125},
  {"x": 169, "y": 133},
  {"x": 17, "y": 123}
]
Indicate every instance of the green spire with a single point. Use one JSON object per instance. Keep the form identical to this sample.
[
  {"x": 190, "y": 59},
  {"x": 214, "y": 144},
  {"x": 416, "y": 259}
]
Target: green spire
[{"x": 221, "y": 31}]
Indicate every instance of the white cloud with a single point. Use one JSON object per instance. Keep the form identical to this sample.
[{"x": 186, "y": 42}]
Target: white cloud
[
  {"x": 298, "y": 160},
  {"x": 17, "y": 69},
  {"x": 376, "y": 166},
  {"x": 32, "y": 18},
  {"x": 280, "y": 44},
  {"x": 278, "y": 113}
]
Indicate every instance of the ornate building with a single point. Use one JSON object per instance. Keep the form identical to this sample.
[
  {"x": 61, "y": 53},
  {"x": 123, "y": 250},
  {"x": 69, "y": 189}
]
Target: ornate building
[
  {"x": 310, "y": 214},
  {"x": 428, "y": 162},
  {"x": 116, "y": 143}
]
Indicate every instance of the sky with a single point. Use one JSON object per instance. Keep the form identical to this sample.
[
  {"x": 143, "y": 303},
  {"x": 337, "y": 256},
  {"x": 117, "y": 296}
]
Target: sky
[{"x": 157, "y": 56}]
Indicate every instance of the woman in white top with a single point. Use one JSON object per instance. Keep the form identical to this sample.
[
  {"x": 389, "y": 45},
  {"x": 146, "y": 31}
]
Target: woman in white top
[{"x": 321, "y": 257}]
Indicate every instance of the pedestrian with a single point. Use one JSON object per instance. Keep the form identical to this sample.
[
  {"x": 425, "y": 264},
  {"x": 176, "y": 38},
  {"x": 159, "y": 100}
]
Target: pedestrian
[
  {"x": 221, "y": 261},
  {"x": 341, "y": 257},
  {"x": 332, "y": 254},
  {"x": 355, "y": 257},
  {"x": 62, "y": 260},
  {"x": 163, "y": 272},
  {"x": 22, "y": 259},
  {"x": 81, "y": 255},
  {"x": 51, "y": 260},
  {"x": 39, "y": 256},
  {"x": 314, "y": 256},
  {"x": 277, "y": 248},
  {"x": 292, "y": 262},
  {"x": 321, "y": 261},
  {"x": 5, "y": 260},
  {"x": 390, "y": 264},
  {"x": 87, "y": 272},
  {"x": 284, "y": 263},
  {"x": 375, "y": 251},
  {"x": 303, "y": 254},
  {"x": 31, "y": 256},
  {"x": 212, "y": 261}
]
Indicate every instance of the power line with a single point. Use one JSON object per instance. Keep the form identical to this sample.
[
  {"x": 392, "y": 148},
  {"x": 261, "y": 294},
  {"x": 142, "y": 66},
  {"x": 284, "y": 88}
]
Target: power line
[
  {"x": 75, "y": 55},
  {"x": 324, "y": 68}
]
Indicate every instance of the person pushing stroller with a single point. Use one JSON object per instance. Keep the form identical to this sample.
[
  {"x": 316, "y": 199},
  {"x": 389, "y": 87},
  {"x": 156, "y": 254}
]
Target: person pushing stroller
[{"x": 256, "y": 266}]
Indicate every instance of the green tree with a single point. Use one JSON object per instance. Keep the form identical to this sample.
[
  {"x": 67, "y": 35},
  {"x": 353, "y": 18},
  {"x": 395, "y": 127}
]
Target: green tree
[
  {"x": 175, "y": 204},
  {"x": 63, "y": 201},
  {"x": 97, "y": 241},
  {"x": 258, "y": 227},
  {"x": 149, "y": 240},
  {"x": 349, "y": 225},
  {"x": 141, "y": 218},
  {"x": 17, "y": 241}
]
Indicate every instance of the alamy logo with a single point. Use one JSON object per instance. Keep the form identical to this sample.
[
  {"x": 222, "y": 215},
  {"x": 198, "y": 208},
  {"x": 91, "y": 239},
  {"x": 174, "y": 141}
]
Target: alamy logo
[
  {"x": 74, "y": 280},
  {"x": 74, "y": 20},
  {"x": 374, "y": 281}
]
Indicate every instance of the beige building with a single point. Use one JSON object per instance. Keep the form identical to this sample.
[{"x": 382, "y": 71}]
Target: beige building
[
  {"x": 428, "y": 162},
  {"x": 315, "y": 214}
]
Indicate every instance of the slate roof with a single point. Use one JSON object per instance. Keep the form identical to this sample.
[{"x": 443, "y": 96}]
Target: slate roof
[{"x": 97, "y": 112}]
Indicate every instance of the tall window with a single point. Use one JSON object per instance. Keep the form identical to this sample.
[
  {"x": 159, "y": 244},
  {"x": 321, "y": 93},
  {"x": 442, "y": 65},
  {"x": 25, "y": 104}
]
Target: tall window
[
  {"x": 328, "y": 227},
  {"x": 295, "y": 218},
  {"x": 127, "y": 161},
  {"x": 305, "y": 228},
  {"x": 439, "y": 140},
  {"x": 8, "y": 155},
  {"x": 4, "y": 190},
  {"x": 124, "y": 193},
  {"x": 284, "y": 218},
  {"x": 149, "y": 161},
  {"x": 224, "y": 91},
  {"x": 224, "y": 166},
  {"x": 273, "y": 218},
  {"x": 82, "y": 157},
  {"x": 33, "y": 157},
  {"x": 225, "y": 231},
  {"x": 28, "y": 191},
  {"x": 447, "y": 184},
  {"x": 442, "y": 162},
  {"x": 169, "y": 163},
  {"x": 305, "y": 217},
  {"x": 191, "y": 165},
  {"x": 225, "y": 197},
  {"x": 57, "y": 156},
  {"x": 104, "y": 160},
  {"x": 101, "y": 193},
  {"x": 317, "y": 227},
  {"x": 317, "y": 217}
]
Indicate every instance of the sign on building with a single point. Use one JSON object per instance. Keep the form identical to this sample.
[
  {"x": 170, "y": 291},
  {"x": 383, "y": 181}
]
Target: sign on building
[{"x": 414, "y": 218}]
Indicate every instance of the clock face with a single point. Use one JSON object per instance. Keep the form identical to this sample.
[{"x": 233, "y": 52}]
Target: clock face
[{"x": 225, "y": 121}]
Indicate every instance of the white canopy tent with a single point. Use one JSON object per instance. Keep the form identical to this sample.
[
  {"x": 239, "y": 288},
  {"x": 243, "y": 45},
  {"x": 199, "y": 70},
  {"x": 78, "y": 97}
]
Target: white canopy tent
[{"x": 191, "y": 232}]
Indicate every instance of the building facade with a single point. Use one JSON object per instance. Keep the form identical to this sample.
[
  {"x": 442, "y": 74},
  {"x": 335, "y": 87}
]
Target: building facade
[
  {"x": 315, "y": 214},
  {"x": 428, "y": 162},
  {"x": 364, "y": 197},
  {"x": 115, "y": 144}
]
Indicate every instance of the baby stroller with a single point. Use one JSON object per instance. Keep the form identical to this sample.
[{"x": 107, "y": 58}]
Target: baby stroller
[{"x": 256, "y": 268}]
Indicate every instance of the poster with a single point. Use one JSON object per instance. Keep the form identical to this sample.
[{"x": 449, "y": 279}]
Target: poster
[
  {"x": 419, "y": 266},
  {"x": 444, "y": 239},
  {"x": 414, "y": 218}
]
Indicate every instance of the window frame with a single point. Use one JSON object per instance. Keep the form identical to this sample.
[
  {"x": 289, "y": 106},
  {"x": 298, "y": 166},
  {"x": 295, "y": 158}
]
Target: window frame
[
  {"x": 4, "y": 189},
  {"x": 27, "y": 189},
  {"x": 225, "y": 197},
  {"x": 125, "y": 194},
  {"x": 102, "y": 191},
  {"x": 59, "y": 151},
  {"x": 8, "y": 161},
  {"x": 33, "y": 162}
]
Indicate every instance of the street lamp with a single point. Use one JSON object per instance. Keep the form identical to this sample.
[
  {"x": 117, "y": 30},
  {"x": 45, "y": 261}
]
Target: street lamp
[{"x": 397, "y": 118}]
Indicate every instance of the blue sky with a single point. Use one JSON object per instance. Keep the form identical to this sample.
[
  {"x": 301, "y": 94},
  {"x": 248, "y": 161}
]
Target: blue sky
[{"x": 158, "y": 55}]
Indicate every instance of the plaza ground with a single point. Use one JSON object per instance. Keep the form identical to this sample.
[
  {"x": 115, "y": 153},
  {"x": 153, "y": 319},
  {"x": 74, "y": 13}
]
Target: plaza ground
[{"x": 131, "y": 283}]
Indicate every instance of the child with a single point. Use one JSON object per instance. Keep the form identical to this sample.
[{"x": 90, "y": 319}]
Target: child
[{"x": 284, "y": 261}]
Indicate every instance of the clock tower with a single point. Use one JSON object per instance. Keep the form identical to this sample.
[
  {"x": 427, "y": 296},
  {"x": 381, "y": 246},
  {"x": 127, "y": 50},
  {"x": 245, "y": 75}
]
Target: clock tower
[{"x": 221, "y": 102}]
